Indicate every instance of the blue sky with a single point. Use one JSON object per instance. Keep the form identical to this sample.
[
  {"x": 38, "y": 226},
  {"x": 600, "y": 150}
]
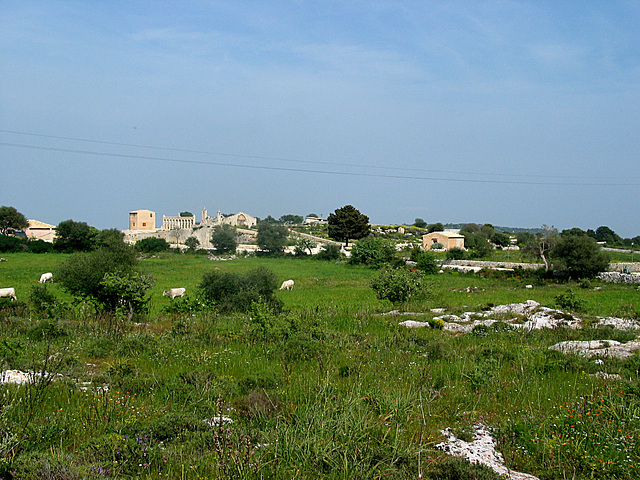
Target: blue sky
[{"x": 515, "y": 113}]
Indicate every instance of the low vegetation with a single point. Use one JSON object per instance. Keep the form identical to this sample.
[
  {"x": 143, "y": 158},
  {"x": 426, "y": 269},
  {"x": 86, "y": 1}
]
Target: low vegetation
[{"x": 240, "y": 380}]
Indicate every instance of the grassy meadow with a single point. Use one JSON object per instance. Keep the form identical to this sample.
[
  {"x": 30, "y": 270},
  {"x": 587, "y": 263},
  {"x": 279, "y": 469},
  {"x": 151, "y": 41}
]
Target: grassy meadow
[{"x": 330, "y": 388}]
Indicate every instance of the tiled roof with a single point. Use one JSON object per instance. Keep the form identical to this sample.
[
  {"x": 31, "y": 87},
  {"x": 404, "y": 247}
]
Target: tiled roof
[{"x": 39, "y": 224}]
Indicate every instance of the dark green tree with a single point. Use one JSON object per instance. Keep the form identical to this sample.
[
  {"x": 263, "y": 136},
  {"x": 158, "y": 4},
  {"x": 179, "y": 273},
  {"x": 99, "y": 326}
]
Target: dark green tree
[
  {"x": 224, "y": 239},
  {"x": 347, "y": 223},
  {"x": 152, "y": 245},
  {"x": 605, "y": 234},
  {"x": 573, "y": 231},
  {"x": 291, "y": 219},
  {"x": 186, "y": 214},
  {"x": 192, "y": 243},
  {"x": 73, "y": 236},
  {"x": 11, "y": 219},
  {"x": 272, "y": 237},
  {"x": 579, "y": 256},
  {"x": 435, "y": 227},
  {"x": 420, "y": 223},
  {"x": 501, "y": 239},
  {"x": 108, "y": 237}
]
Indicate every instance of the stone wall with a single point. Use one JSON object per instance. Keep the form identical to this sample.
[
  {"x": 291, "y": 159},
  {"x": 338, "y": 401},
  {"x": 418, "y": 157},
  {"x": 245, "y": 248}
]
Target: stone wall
[
  {"x": 613, "y": 267},
  {"x": 617, "y": 277},
  {"x": 483, "y": 264}
]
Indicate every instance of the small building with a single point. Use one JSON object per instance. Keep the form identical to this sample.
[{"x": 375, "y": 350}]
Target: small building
[
  {"x": 314, "y": 221},
  {"x": 142, "y": 220},
  {"x": 448, "y": 240},
  {"x": 38, "y": 230}
]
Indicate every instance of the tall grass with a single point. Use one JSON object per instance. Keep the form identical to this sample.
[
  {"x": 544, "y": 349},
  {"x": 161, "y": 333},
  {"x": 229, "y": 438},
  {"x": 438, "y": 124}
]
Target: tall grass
[{"x": 328, "y": 389}]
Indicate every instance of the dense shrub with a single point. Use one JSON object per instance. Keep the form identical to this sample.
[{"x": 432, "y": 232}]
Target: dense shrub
[
  {"x": 397, "y": 285},
  {"x": 425, "y": 261},
  {"x": 456, "y": 253},
  {"x": 239, "y": 291},
  {"x": 152, "y": 245},
  {"x": 43, "y": 302},
  {"x": 569, "y": 301},
  {"x": 107, "y": 276},
  {"x": 371, "y": 251},
  {"x": 39, "y": 246},
  {"x": 329, "y": 251},
  {"x": 11, "y": 244}
]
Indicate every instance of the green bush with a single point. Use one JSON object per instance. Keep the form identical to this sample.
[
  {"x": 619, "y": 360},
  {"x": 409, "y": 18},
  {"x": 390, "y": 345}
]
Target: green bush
[
  {"x": 329, "y": 251},
  {"x": 397, "y": 285},
  {"x": 107, "y": 276},
  {"x": 43, "y": 302},
  {"x": 239, "y": 291},
  {"x": 371, "y": 251},
  {"x": 456, "y": 253},
  {"x": 39, "y": 246},
  {"x": 425, "y": 261},
  {"x": 152, "y": 245},
  {"x": 11, "y": 244},
  {"x": 569, "y": 301}
]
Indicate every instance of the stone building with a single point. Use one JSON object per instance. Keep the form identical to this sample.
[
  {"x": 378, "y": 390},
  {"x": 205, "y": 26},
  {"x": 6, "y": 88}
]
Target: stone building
[
  {"x": 142, "y": 220},
  {"x": 238, "y": 220},
  {"x": 170, "y": 223},
  {"x": 448, "y": 240}
]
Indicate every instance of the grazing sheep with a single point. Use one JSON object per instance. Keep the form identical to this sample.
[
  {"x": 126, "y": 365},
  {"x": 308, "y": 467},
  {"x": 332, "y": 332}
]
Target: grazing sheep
[
  {"x": 287, "y": 285},
  {"x": 46, "y": 276},
  {"x": 8, "y": 293},
  {"x": 174, "y": 292}
]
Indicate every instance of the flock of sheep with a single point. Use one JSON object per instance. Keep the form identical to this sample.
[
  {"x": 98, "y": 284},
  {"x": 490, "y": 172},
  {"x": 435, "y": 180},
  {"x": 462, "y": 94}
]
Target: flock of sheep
[{"x": 10, "y": 292}]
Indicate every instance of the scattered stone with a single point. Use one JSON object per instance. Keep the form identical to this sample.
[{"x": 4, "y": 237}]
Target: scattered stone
[
  {"x": 598, "y": 348},
  {"x": 529, "y": 315},
  {"x": 413, "y": 324},
  {"x": 619, "y": 323},
  {"x": 528, "y": 286},
  {"x": 482, "y": 450}
]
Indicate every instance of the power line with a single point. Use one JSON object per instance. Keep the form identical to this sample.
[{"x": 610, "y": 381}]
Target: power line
[
  {"x": 300, "y": 170},
  {"x": 338, "y": 164}
]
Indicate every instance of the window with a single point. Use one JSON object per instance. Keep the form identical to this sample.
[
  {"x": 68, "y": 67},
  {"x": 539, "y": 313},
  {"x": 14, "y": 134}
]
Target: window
[{"x": 144, "y": 224}]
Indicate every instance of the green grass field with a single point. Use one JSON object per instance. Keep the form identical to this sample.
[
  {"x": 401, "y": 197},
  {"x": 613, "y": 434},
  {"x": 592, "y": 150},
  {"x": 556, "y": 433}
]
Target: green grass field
[{"x": 328, "y": 389}]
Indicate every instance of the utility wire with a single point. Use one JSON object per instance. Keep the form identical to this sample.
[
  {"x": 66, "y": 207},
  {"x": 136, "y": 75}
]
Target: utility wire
[
  {"x": 282, "y": 159},
  {"x": 301, "y": 170}
]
